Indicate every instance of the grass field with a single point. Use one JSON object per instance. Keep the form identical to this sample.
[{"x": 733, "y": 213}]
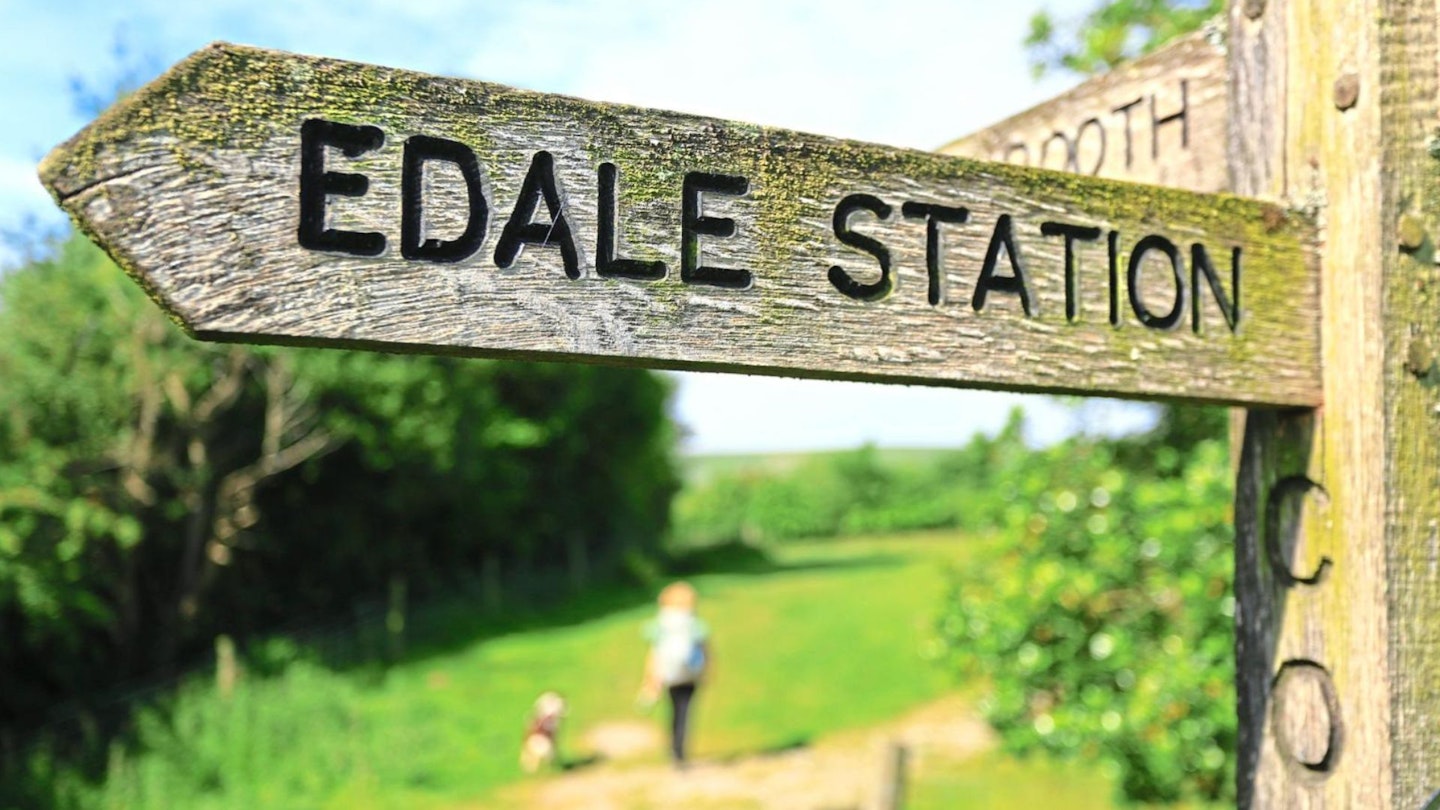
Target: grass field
[{"x": 823, "y": 640}]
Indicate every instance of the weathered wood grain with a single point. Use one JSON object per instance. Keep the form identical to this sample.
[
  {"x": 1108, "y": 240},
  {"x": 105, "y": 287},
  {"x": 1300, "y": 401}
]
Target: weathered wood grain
[
  {"x": 1159, "y": 119},
  {"x": 1271, "y": 446},
  {"x": 1369, "y": 625},
  {"x": 193, "y": 184}
]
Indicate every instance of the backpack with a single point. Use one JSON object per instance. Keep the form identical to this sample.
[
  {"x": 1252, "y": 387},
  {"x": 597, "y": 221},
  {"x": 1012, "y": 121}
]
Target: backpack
[{"x": 679, "y": 648}]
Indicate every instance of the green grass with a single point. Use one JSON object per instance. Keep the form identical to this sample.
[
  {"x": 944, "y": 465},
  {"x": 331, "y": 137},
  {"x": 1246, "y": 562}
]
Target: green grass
[
  {"x": 829, "y": 639},
  {"x": 794, "y": 649}
]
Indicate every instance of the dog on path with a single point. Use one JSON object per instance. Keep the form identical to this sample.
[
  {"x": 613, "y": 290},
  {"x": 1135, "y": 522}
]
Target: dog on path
[{"x": 539, "y": 749}]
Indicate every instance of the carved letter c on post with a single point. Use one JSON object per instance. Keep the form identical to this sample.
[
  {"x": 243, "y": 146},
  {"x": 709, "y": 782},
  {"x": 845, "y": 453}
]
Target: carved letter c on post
[{"x": 1295, "y": 486}]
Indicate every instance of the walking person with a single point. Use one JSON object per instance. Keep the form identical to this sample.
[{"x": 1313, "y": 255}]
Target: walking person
[{"x": 677, "y": 661}]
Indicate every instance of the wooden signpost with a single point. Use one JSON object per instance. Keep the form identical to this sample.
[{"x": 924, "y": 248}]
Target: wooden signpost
[
  {"x": 268, "y": 197},
  {"x": 1334, "y": 108},
  {"x": 263, "y": 196}
]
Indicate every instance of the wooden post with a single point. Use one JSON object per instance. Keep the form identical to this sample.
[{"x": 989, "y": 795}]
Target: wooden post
[
  {"x": 892, "y": 783},
  {"x": 227, "y": 666},
  {"x": 1333, "y": 109},
  {"x": 395, "y": 617}
]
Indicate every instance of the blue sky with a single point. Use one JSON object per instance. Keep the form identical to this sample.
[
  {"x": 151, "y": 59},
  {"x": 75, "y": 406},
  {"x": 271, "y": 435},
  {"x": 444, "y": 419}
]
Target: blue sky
[{"x": 913, "y": 74}]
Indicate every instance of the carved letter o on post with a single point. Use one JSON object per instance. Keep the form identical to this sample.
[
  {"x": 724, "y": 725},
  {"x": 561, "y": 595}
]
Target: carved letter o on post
[{"x": 1294, "y": 706}]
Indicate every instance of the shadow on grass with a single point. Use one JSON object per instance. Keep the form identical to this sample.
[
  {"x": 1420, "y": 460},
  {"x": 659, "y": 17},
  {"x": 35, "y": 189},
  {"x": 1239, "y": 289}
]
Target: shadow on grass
[
  {"x": 569, "y": 764},
  {"x": 780, "y": 749},
  {"x": 742, "y": 558}
]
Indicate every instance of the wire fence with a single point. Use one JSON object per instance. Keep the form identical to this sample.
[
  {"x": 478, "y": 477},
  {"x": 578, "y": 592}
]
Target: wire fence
[{"x": 373, "y": 632}]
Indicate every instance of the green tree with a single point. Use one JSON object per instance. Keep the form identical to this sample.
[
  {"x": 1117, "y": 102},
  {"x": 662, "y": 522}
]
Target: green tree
[
  {"x": 1113, "y": 32},
  {"x": 1101, "y": 615},
  {"x": 111, "y": 424},
  {"x": 155, "y": 491}
]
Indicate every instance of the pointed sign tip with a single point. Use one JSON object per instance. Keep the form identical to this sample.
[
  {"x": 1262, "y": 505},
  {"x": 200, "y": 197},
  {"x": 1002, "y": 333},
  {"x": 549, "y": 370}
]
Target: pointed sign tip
[
  {"x": 86, "y": 159},
  {"x": 94, "y": 174}
]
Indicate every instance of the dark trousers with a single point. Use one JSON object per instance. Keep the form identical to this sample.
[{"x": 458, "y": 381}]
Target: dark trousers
[{"x": 680, "y": 696}]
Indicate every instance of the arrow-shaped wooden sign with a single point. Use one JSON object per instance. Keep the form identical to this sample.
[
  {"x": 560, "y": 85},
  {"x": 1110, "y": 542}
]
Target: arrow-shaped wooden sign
[{"x": 267, "y": 197}]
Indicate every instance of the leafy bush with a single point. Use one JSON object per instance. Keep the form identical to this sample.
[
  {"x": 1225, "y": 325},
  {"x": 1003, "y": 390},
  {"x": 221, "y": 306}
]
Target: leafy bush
[{"x": 1101, "y": 617}]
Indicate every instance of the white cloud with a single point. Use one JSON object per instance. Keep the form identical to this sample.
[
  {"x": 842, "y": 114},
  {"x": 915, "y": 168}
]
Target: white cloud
[
  {"x": 9, "y": 256},
  {"x": 20, "y": 185},
  {"x": 26, "y": 210},
  {"x": 914, "y": 74}
]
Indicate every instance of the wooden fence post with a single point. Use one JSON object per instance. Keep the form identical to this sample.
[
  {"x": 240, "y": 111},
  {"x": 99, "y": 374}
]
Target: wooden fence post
[
  {"x": 227, "y": 666},
  {"x": 395, "y": 610},
  {"x": 1333, "y": 108},
  {"x": 892, "y": 783}
]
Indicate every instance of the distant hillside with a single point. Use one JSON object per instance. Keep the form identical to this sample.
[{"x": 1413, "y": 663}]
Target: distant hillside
[{"x": 701, "y": 469}]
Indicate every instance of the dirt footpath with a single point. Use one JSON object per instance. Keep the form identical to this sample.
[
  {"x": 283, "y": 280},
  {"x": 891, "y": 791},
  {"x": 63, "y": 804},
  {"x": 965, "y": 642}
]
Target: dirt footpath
[{"x": 843, "y": 771}]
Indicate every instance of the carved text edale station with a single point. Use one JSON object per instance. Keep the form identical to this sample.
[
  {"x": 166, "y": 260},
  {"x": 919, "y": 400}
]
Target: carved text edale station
[
  {"x": 1003, "y": 270},
  {"x": 261, "y": 196}
]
